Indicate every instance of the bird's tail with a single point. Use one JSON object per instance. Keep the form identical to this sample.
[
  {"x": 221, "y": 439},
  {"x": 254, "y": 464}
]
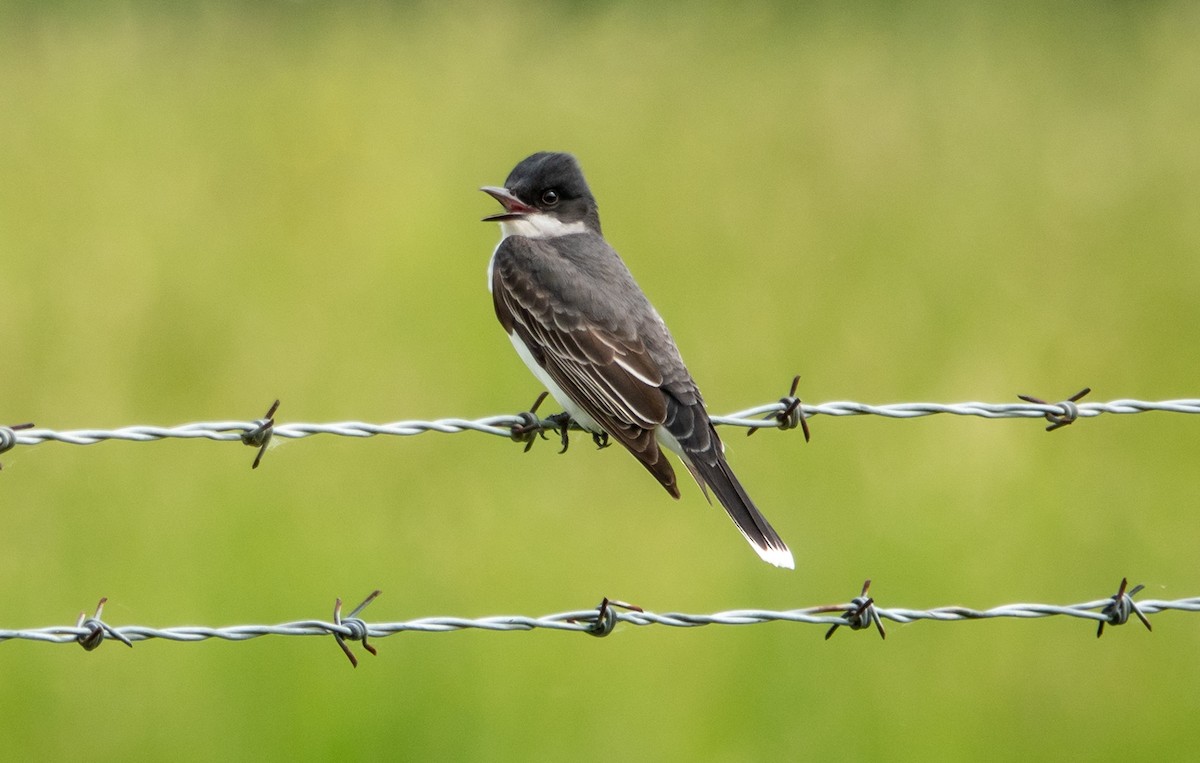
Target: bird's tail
[{"x": 715, "y": 475}]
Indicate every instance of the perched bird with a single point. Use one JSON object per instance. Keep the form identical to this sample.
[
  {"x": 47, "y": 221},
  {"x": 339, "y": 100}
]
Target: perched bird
[{"x": 583, "y": 326}]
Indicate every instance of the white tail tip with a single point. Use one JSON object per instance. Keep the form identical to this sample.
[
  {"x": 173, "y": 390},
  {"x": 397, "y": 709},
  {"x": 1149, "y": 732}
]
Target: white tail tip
[{"x": 780, "y": 557}]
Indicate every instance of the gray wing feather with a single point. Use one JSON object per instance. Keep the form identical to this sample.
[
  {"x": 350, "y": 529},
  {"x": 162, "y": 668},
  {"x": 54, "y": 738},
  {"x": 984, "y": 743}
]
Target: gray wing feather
[{"x": 602, "y": 365}]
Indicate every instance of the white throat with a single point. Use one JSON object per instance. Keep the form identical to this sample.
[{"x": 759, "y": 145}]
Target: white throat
[
  {"x": 539, "y": 225},
  {"x": 536, "y": 225}
]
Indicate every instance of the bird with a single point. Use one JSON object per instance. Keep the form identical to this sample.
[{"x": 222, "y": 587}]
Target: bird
[{"x": 589, "y": 334}]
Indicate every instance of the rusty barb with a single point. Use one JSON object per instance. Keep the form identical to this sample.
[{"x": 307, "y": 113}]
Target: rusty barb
[
  {"x": 860, "y": 613},
  {"x": 605, "y": 621},
  {"x": 792, "y": 414},
  {"x": 531, "y": 425},
  {"x": 1122, "y": 607},
  {"x": 8, "y": 436},
  {"x": 359, "y": 630},
  {"x": 97, "y": 630},
  {"x": 1069, "y": 411},
  {"x": 260, "y": 436}
]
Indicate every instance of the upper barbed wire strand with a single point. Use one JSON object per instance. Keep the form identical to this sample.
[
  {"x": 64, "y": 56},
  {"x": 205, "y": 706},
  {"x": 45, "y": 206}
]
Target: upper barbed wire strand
[{"x": 501, "y": 425}]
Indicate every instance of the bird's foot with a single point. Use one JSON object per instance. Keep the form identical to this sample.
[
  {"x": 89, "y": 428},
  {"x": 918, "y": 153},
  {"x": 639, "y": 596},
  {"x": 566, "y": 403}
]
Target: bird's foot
[
  {"x": 562, "y": 424},
  {"x": 533, "y": 426}
]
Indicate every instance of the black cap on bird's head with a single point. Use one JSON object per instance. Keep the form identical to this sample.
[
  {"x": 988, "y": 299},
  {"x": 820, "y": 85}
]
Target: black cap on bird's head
[{"x": 546, "y": 183}]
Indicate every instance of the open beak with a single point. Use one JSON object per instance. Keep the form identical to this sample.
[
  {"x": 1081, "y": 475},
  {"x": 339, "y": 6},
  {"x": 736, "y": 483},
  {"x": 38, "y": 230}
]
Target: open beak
[{"x": 514, "y": 208}]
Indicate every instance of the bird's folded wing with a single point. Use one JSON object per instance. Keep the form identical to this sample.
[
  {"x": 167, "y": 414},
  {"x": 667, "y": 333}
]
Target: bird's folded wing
[{"x": 608, "y": 373}]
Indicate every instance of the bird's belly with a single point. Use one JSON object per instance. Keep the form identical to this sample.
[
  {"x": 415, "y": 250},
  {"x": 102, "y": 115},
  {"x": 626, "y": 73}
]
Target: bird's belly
[{"x": 568, "y": 405}]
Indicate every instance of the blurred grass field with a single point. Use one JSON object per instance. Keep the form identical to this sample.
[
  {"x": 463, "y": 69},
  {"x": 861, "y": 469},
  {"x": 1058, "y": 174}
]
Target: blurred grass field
[{"x": 206, "y": 207}]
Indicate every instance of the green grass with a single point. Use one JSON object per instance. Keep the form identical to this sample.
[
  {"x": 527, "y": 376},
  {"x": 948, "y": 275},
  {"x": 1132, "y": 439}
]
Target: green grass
[{"x": 202, "y": 209}]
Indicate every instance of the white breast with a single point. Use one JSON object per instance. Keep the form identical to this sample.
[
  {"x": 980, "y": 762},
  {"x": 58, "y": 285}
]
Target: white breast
[
  {"x": 560, "y": 397},
  {"x": 542, "y": 226}
]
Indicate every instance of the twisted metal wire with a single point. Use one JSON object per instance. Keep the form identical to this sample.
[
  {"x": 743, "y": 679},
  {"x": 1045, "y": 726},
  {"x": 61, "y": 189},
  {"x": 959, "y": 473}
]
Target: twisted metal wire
[
  {"x": 787, "y": 413},
  {"x": 90, "y": 632},
  {"x": 760, "y": 416}
]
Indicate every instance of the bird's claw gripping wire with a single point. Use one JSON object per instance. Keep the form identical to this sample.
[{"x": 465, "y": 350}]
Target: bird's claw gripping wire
[
  {"x": 533, "y": 426},
  {"x": 1069, "y": 411},
  {"x": 260, "y": 436},
  {"x": 561, "y": 423},
  {"x": 1121, "y": 607},
  {"x": 860, "y": 614},
  {"x": 792, "y": 414}
]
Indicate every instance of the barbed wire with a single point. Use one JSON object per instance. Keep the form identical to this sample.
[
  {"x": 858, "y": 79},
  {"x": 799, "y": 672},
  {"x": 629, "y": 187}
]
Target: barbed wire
[
  {"x": 786, "y": 413},
  {"x": 858, "y": 614}
]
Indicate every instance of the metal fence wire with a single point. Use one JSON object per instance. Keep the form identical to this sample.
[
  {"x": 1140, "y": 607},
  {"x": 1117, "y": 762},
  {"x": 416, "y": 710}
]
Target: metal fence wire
[
  {"x": 788, "y": 412},
  {"x": 859, "y": 613}
]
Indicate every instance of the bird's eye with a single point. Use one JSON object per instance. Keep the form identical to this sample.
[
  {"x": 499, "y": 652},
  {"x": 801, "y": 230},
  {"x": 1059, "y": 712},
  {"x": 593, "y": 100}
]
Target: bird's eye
[{"x": 550, "y": 197}]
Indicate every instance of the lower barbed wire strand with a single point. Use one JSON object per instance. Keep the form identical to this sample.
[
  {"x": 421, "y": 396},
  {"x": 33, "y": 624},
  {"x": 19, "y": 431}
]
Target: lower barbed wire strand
[{"x": 582, "y": 621}]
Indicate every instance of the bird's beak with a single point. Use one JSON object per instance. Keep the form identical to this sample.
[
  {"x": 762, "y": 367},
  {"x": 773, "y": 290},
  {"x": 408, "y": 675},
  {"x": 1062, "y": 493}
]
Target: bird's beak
[{"x": 514, "y": 208}]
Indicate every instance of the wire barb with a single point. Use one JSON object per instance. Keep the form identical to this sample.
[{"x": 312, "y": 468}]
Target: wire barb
[
  {"x": 529, "y": 428},
  {"x": 358, "y": 630},
  {"x": 860, "y": 613},
  {"x": 791, "y": 414},
  {"x": 8, "y": 436},
  {"x": 601, "y": 620},
  {"x": 260, "y": 436},
  {"x": 1123, "y": 605},
  {"x": 97, "y": 629},
  {"x": 1068, "y": 412},
  {"x": 502, "y": 425},
  {"x": 606, "y": 618}
]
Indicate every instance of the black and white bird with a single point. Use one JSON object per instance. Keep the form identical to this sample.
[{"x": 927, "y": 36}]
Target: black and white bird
[{"x": 583, "y": 326}]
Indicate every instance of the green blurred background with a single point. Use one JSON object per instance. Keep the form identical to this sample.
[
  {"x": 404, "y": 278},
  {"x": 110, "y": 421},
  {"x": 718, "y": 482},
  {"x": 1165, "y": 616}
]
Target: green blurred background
[{"x": 207, "y": 206}]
